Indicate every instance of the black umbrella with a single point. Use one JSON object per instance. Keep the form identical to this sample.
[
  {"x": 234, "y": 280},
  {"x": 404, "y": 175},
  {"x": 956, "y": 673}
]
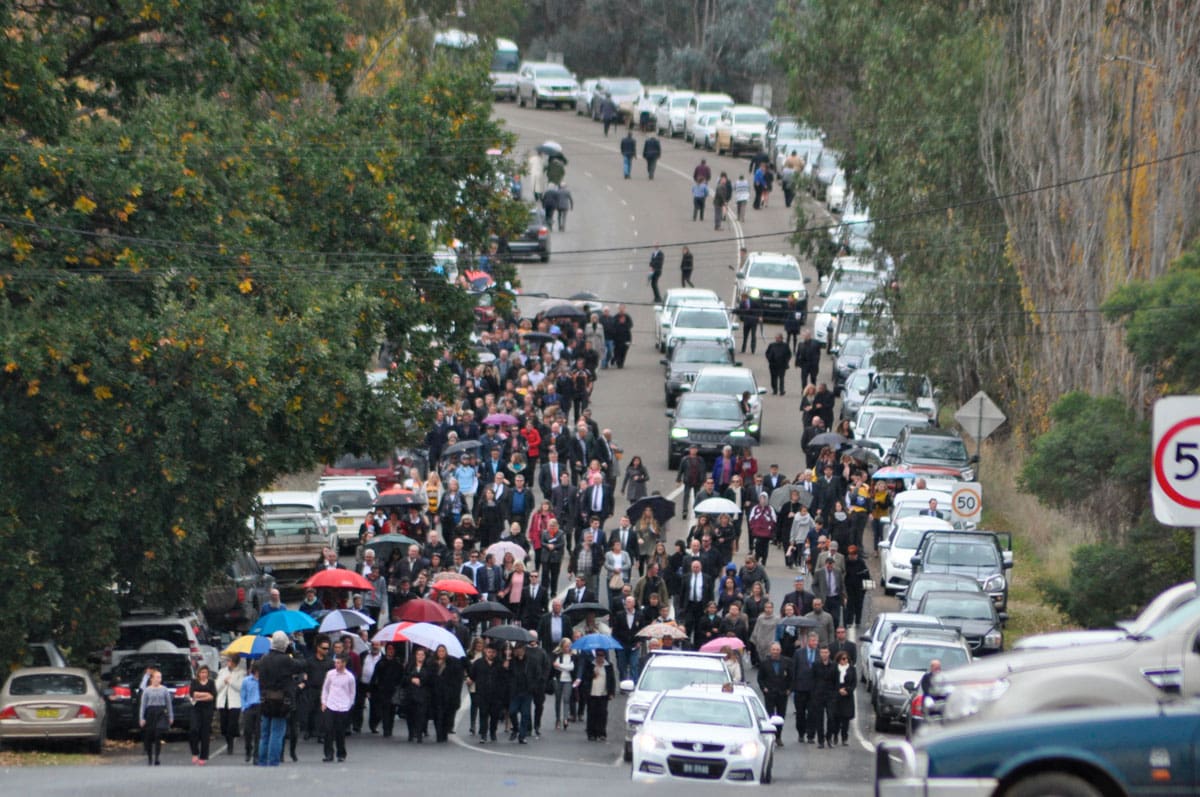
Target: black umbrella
[
  {"x": 662, "y": 508},
  {"x": 781, "y": 495},
  {"x": 585, "y": 296},
  {"x": 864, "y": 455},
  {"x": 508, "y": 633},
  {"x": 538, "y": 339},
  {"x": 800, "y": 622},
  {"x": 398, "y": 499},
  {"x": 384, "y": 544},
  {"x": 556, "y": 308},
  {"x": 486, "y": 610},
  {"x": 827, "y": 439},
  {"x": 466, "y": 446},
  {"x": 552, "y": 150},
  {"x": 586, "y": 606}
]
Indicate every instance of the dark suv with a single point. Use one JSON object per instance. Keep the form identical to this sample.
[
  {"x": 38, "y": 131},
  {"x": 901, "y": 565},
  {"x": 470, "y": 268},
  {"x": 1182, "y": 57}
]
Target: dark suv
[
  {"x": 685, "y": 362},
  {"x": 981, "y": 555},
  {"x": 930, "y": 446},
  {"x": 535, "y": 241},
  {"x": 232, "y": 602}
]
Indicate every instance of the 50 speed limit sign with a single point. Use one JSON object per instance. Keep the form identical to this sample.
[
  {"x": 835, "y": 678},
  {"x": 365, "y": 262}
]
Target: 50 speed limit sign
[
  {"x": 966, "y": 502},
  {"x": 1175, "y": 481}
]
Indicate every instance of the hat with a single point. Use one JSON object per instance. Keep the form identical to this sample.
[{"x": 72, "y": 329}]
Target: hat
[{"x": 279, "y": 641}]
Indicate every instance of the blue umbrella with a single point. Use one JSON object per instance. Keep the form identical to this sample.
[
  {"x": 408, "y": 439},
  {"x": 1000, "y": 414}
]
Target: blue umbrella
[
  {"x": 289, "y": 621},
  {"x": 590, "y": 642}
]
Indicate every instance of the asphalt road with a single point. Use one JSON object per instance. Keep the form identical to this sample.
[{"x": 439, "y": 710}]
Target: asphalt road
[{"x": 605, "y": 249}]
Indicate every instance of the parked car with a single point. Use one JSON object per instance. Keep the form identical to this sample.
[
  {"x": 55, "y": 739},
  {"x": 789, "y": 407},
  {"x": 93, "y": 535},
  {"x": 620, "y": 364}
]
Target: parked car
[
  {"x": 700, "y": 105},
  {"x": 742, "y": 128},
  {"x": 735, "y": 381},
  {"x": 782, "y": 130},
  {"x": 835, "y": 195},
  {"x": 540, "y": 82},
  {"x": 709, "y": 421},
  {"x": 1163, "y": 604},
  {"x": 289, "y": 543},
  {"x": 43, "y": 703},
  {"x": 685, "y": 362},
  {"x": 647, "y": 106},
  {"x": 827, "y": 167},
  {"x": 534, "y": 242},
  {"x": 906, "y": 658},
  {"x": 1089, "y": 752},
  {"x": 872, "y": 643},
  {"x": 387, "y": 471},
  {"x": 42, "y": 654},
  {"x": 665, "y": 670},
  {"x": 885, "y": 426},
  {"x": 982, "y": 555},
  {"x": 700, "y": 323},
  {"x": 233, "y": 601},
  {"x": 903, "y": 385},
  {"x": 840, "y": 301},
  {"x": 672, "y": 113},
  {"x": 695, "y": 733},
  {"x": 124, "y": 691},
  {"x": 849, "y": 357},
  {"x": 853, "y": 234},
  {"x": 584, "y": 96},
  {"x": 676, "y": 298},
  {"x": 974, "y": 615},
  {"x": 771, "y": 280},
  {"x": 896, "y": 552},
  {"x": 924, "y": 582},
  {"x": 625, "y": 92},
  {"x": 347, "y": 499},
  {"x": 182, "y": 631},
  {"x": 930, "y": 446},
  {"x": 704, "y": 131}
]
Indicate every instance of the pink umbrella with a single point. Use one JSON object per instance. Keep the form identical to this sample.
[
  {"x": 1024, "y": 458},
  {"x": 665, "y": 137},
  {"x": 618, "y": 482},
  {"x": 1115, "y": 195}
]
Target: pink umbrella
[{"x": 722, "y": 642}]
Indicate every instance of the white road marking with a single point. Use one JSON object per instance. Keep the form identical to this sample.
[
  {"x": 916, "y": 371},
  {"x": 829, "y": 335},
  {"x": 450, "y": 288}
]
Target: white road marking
[
  {"x": 587, "y": 174},
  {"x": 852, "y": 635},
  {"x": 633, "y": 218},
  {"x": 623, "y": 202},
  {"x": 609, "y": 187},
  {"x": 671, "y": 496}
]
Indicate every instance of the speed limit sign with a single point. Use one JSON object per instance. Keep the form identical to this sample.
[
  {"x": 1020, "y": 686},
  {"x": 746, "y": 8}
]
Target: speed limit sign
[
  {"x": 1176, "y": 468},
  {"x": 966, "y": 502}
]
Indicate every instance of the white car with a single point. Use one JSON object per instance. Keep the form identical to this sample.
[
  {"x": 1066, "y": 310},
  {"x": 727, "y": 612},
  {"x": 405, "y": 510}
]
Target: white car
[
  {"x": 290, "y": 502},
  {"x": 706, "y": 734},
  {"x": 347, "y": 499},
  {"x": 905, "y": 659},
  {"x": 672, "y": 113},
  {"x": 701, "y": 104},
  {"x": 626, "y": 92},
  {"x": 676, "y": 298},
  {"x": 583, "y": 97},
  {"x": 911, "y": 503},
  {"x": 838, "y": 302},
  {"x": 835, "y": 195},
  {"x": 872, "y": 643},
  {"x": 854, "y": 233},
  {"x": 544, "y": 83},
  {"x": 732, "y": 380},
  {"x": 897, "y": 551},
  {"x": 663, "y": 670},
  {"x": 852, "y": 272},
  {"x": 701, "y": 323},
  {"x": 771, "y": 280},
  {"x": 807, "y": 148},
  {"x": 742, "y": 128},
  {"x": 704, "y": 131},
  {"x": 883, "y": 427},
  {"x": 652, "y": 96}
]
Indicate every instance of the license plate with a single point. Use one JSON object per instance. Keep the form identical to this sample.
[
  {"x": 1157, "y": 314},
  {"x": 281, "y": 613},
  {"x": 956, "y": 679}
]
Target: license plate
[
  {"x": 345, "y": 521},
  {"x": 695, "y": 769},
  {"x": 47, "y": 713}
]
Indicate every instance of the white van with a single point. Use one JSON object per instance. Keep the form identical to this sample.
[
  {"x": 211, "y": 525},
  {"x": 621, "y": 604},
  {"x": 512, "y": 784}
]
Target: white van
[{"x": 704, "y": 104}]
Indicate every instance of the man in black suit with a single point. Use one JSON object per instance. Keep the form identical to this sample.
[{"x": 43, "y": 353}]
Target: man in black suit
[
  {"x": 626, "y": 535},
  {"x": 775, "y": 682},
  {"x": 773, "y": 480},
  {"x": 830, "y": 586},
  {"x": 596, "y": 500},
  {"x": 554, "y": 626},
  {"x": 580, "y": 452},
  {"x": 799, "y": 597},
  {"x": 518, "y": 502},
  {"x": 695, "y": 593},
  {"x": 625, "y": 625},
  {"x": 564, "y": 500},
  {"x": 534, "y": 601},
  {"x": 932, "y": 511},
  {"x": 578, "y": 593},
  {"x": 492, "y": 465},
  {"x": 549, "y": 472},
  {"x": 841, "y": 644},
  {"x": 804, "y": 662},
  {"x": 489, "y": 579},
  {"x": 411, "y": 565}
]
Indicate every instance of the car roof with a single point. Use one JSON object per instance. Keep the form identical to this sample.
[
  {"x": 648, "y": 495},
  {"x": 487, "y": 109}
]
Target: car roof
[
  {"x": 80, "y": 671},
  {"x": 711, "y": 692},
  {"x": 682, "y": 658},
  {"x": 908, "y": 618},
  {"x": 771, "y": 256},
  {"x": 289, "y": 497},
  {"x": 709, "y": 397},
  {"x": 684, "y": 293},
  {"x": 933, "y": 523},
  {"x": 955, "y": 595},
  {"x": 713, "y": 95},
  {"x": 947, "y": 636},
  {"x": 724, "y": 370},
  {"x": 934, "y": 431}
]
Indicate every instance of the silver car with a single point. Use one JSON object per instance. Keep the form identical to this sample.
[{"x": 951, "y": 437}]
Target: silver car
[{"x": 52, "y": 703}]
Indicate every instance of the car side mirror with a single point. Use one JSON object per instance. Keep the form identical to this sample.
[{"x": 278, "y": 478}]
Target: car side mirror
[
  {"x": 664, "y": 361},
  {"x": 974, "y": 460},
  {"x": 877, "y": 664},
  {"x": 626, "y": 686},
  {"x": 1003, "y": 617},
  {"x": 669, "y": 414}
]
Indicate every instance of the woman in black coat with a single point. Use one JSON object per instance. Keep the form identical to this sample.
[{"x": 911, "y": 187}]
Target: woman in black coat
[
  {"x": 388, "y": 675},
  {"x": 418, "y": 682},
  {"x": 489, "y": 516},
  {"x": 446, "y": 691},
  {"x": 845, "y": 680}
]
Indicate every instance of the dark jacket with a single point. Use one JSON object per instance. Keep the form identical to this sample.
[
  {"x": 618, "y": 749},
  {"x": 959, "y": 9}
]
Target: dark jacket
[
  {"x": 585, "y": 671},
  {"x": 388, "y": 674},
  {"x": 769, "y": 682},
  {"x": 778, "y": 356},
  {"x": 491, "y": 685},
  {"x": 276, "y": 669},
  {"x": 446, "y": 687},
  {"x": 651, "y": 148},
  {"x": 629, "y": 147},
  {"x": 803, "y": 676},
  {"x": 597, "y": 561}
]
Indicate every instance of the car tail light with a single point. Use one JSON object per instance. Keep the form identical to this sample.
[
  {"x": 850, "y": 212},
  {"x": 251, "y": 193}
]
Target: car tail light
[
  {"x": 9, "y": 713},
  {"x": 183, "y": 691},
  {"x": 108, "y": 655},
  {"x": 241, "y": 594},
  {"x": 122, "y": 693},
  {"x": 916, "y": 707},
  {"x": 543, "y": 232},
  {"x": 85, "y": 713}
]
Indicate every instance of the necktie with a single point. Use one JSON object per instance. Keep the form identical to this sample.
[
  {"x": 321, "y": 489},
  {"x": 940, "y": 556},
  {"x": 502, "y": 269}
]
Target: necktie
[
  {"x": 554, "y": 472},
  {"x": 596, "y": 496},
  {"x": 810, "y": 657}
]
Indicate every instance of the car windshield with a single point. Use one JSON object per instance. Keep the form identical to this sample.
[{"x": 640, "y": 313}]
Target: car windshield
[
  {"x": 133, "y": 637},
  {"x": 979, "y": 554},
  {"x": 733, "y": 384},
  {"x": 1184, "y": 615},
  {"x": 775, "y": 270},
  {"x": 680, "y": 102},
  {"x": 51, "y": 683},
  {"x": 789, "y": 128},
  {"x": 856, "y": 347},
  {"x": 913, "y": 510},
  {"x": 346, "y": 499},
  {"x": 885, "y": 426},
  {"x": 917, "y": 656},
  {"x": 506, "y": 61},
  {"x": 553, "y": 71},
  {"x": 701, "y": 354},
  {"x": 832, "y": 305},
  {"x": 290, "y": 526},
  {"x": 858, "y": 382},
  {"x": 699, "y": 711},
  {"x": 712, "y": 105},
  {"x": 950, "y": 449},
  {"x": 660, "y": 679},
  {"x": 908, "y": 538},
  {"x": 625, "y": 87},
  {"x": 903, "y": 385},
  {"x": 948, "y": 608},
  {"x": 751, "y": 117},
  {"x": 828, "y": 159},
  {"x": 173, "y": 668},
  {"x": 709, "y": 410},
  {"x": 702, "y": 319},
  {"x": 920, "y": 586}
]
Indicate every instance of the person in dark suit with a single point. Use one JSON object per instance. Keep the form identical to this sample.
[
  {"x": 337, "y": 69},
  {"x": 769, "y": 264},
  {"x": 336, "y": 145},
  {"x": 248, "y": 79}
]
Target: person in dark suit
[
  {"x": 578, "y": 593},
  {"x": 773, "y": 479},
  {"x": 845, "y": 680},
  {"x": 825, "y": 677},
  {"x": 549, "y": 471},
  {"x": 841, "y": 644},
  {"x": 586, "y": 562},
  {"x": 518, "y": 502},
  {"x": 775, "y": 683},
  {"x": 534, "y": 601},
  {"x": 625, "y": 625},
  {"x": 800, "y": 598},
  {"x": 627, "y": 536},
  {"x": 597, "y": 500},
  {"x": 554, "y": 545},
  {"x": 579, "y": 453},
  {"x": 564, "y": 500},
  {"x": 830, "y": 586},
  {"x": 595, "y": 695},
  {"x": 554, "y": 626},
  {"x": 932, "y": 510},
  {"x": 804, "y": 662},
  {"x": 695, "y": 593},
  {"x": 411, "y": 565},
  {"x": 489, "y": 579}
]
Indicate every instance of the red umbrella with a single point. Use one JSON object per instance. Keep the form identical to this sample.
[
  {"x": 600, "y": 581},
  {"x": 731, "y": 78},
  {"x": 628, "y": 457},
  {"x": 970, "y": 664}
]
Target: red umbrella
[
  {"x": 453, "y": 585},
  {"x": 421, "y": 610},
  {"x": 339, "y": 579}
]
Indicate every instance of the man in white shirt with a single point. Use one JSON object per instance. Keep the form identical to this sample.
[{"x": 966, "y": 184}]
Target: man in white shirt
[{"x": 369, "y": 660}]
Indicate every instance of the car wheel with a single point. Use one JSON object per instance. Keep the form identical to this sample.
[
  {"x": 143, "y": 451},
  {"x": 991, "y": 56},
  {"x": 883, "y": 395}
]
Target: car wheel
[
  {"x": 521, "y": 100},
  {"x": 767, "y": 770},
  {"x": 883, "y": 725},
  {"x": 537, "y": 104},
  {"x": 1058, "y": 783},
  {"x": 628, "y": 754},
  {"x": 96, "y": 746},
  {"x": 544, "y": 257}
]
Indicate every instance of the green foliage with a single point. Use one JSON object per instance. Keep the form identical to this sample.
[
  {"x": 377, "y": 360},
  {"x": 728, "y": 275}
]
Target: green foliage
[
  {"x": 192, "y": 289},
  {"x": 1094, "y": 457},
  {"x": 1159, "y": 317},
  {"x": 1113, "y": 582}
]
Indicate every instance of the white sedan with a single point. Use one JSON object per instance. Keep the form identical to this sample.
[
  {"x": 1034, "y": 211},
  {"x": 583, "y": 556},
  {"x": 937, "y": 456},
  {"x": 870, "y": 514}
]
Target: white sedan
[
  {"x": 710, "y": 734},
  {"x": 836, "y": 303},
  {"x": 897, "y": 551},
  {"x": 704, "y": 131}
]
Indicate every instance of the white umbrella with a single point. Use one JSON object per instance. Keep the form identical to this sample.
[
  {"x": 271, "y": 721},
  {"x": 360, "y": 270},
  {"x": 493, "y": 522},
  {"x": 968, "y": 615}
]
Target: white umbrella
[
  {"x": 355, "y": 641},
  {"x": 498, "y": 549},
  {"x": 341, "y": 619},
  {"x": 427, "y": 635},
  {"x": 717, "y": 506}
]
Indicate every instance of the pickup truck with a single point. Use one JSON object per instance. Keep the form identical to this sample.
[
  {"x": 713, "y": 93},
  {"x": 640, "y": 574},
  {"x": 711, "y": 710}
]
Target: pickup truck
[
  {"x": 1160, "y": 662},
  {"x": 291, "y": 545}
]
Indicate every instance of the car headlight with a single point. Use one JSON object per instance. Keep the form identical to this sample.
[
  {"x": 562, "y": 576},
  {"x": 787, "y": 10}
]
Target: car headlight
[
  {"x": 753, "y": 428},
  {"x": 648, "y": 743},
  {"x": 994, "y": 584},
  {"x": 751, "y": 749},
  {"x": 677, "y": 433},
  {"x": 967, "y": 699},
  {"x": 799, "y": 294},
  {"x": 992, "y": 639},
  {"x": 738, "y": 433},
  {"x": 891, "y": 688},
  {"x": 755, "y": 293},
  {"x": 899, "y": 565}
]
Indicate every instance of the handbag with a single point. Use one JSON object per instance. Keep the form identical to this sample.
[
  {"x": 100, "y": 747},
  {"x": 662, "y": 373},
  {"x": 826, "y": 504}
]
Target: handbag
[
  {"x": 276, "y": 703},
  {"x": 616, "y": 581}
]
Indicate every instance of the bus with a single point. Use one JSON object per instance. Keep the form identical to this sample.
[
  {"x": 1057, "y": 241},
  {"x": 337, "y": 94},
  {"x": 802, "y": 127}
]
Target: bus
[{"x": 506, "y": 59}]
